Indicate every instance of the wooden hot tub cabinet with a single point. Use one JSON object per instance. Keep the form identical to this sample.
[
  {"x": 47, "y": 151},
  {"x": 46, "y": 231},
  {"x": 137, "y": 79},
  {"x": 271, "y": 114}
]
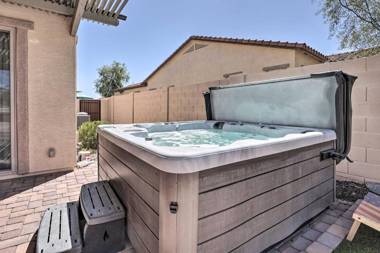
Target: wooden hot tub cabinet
[{"x": 242, "y": 207}]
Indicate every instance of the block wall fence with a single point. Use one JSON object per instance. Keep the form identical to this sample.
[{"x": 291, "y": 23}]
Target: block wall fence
[{"x": 178, "y": 103}]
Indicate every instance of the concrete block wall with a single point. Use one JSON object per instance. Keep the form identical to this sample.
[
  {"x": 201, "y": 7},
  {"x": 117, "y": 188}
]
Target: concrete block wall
[
  {"x": 123, "y": 108},
  {"x": 187, "y": 102},
  {"x": 104, "y": 109},
  {"x": 365, "y": 150},
  {"x": 151, "y": 105},
  {"x": 180, "y": 103},
  {"x": 366, "y": 122}
]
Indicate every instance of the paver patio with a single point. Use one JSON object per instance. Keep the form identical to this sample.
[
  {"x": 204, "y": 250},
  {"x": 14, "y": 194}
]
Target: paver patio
[
  {"x": 23, "y": 201},
  {"x": 323, "y": 234}
]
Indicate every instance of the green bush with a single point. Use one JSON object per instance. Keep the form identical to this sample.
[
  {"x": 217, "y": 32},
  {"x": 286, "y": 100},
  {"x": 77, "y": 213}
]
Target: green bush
[{"x": 87, "y": 134}]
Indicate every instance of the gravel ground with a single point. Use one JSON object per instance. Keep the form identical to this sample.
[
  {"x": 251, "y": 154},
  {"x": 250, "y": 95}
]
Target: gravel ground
[{"x": 350, "y": 191}]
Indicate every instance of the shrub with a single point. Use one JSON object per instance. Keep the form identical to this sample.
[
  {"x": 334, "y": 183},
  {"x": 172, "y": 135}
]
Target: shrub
[{"x": 87, "y": 134}]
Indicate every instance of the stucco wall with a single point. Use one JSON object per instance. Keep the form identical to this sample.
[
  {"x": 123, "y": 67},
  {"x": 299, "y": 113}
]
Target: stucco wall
[
  {"x": 215, "y": 60},
  {"x": 303, "y": 59},
  {"x": 51, "y": 87}
]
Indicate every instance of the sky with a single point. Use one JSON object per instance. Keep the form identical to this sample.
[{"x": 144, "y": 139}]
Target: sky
[{"x": 154, "y": 29}]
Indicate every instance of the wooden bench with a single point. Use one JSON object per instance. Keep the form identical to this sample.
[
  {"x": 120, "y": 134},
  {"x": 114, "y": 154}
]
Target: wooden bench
[{"x": 368, "y": 213}]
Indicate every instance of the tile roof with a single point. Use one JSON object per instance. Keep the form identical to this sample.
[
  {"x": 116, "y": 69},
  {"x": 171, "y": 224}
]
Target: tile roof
[
  {"x": 131, "y": 86},
  {"x": 70, "y": 3},
  {"x": 268, "y": 43},
  {"x": 354, "y": 54},
  {"x": 265, "y": 43}
]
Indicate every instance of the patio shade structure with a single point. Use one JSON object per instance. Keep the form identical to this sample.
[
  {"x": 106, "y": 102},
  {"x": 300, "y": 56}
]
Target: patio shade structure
[{"x": 101, "y": 11}]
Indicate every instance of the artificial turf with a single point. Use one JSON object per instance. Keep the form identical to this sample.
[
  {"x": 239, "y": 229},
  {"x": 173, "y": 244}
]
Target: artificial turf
[{"x": 367, "y": 240}]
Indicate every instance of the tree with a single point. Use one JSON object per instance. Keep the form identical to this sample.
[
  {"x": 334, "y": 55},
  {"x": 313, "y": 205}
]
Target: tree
[
  {"x": 111, "y": 78},
  {"x": 356, "y": 23}
]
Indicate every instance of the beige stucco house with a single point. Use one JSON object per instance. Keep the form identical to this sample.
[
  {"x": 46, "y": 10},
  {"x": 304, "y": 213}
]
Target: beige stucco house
[
  {"x": 38, "y": 80},
  {"x": 201, "y": 59}
]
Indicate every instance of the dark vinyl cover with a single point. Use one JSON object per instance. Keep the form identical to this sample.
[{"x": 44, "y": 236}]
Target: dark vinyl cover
[{"x": 320, "y": 100}]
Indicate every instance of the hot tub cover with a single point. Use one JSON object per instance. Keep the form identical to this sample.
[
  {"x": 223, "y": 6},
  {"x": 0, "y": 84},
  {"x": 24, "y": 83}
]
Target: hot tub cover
[{"x": 320, "y": 100}]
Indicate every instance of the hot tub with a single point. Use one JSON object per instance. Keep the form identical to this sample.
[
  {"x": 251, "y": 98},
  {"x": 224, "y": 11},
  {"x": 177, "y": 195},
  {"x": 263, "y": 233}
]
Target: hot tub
[{"x": 240, "y": 181}]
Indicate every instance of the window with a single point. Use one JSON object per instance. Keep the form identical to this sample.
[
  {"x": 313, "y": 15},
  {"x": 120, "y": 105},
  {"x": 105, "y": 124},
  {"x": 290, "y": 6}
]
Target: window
[
  {"x": 14, "y": 139},
  {"x": 5, "y": 100}
]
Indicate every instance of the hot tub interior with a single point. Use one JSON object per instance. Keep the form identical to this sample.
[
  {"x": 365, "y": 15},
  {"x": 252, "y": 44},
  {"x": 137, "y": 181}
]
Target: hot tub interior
[
  {"x": 204, "y": 138},
  {"x": 209, "y": 133}
]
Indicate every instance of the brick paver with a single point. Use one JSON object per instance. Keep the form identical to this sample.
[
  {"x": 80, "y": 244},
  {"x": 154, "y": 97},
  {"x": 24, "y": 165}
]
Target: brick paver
[
  {"x": 23, "y": 201},
  {"x": 301, "y": 243},
  {"x": 321, "y": 226},
  {"x": 323, "y": 234},
  {"x": 337, "y": 230},
  {"x": 330, "y": 240},
  {"x": 311, "y": 234},
  {"x": 317, "y": 247}
]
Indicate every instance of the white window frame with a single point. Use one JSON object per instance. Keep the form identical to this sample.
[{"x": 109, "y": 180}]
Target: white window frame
[{"x": 12, "y": 33}]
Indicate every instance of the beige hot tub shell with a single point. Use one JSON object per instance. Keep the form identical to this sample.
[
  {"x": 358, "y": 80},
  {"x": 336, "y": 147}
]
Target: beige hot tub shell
[{"x": 239, "y": 206}]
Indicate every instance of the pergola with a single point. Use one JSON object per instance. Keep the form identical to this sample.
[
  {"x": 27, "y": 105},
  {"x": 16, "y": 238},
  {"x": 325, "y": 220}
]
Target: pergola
[{"x": 102, "y": 11}]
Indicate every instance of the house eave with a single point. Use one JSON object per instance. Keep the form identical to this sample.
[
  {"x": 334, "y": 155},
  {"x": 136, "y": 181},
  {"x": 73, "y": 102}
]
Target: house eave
[{"x": 105, "y": 11}]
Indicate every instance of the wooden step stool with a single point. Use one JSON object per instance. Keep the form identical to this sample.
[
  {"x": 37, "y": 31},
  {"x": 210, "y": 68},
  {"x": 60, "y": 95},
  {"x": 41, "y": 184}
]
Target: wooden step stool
[{"x": 368, "y": 213}]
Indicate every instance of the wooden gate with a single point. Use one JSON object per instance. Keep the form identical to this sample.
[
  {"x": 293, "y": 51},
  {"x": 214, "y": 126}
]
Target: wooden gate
[{"x": 92, "y": 107}]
